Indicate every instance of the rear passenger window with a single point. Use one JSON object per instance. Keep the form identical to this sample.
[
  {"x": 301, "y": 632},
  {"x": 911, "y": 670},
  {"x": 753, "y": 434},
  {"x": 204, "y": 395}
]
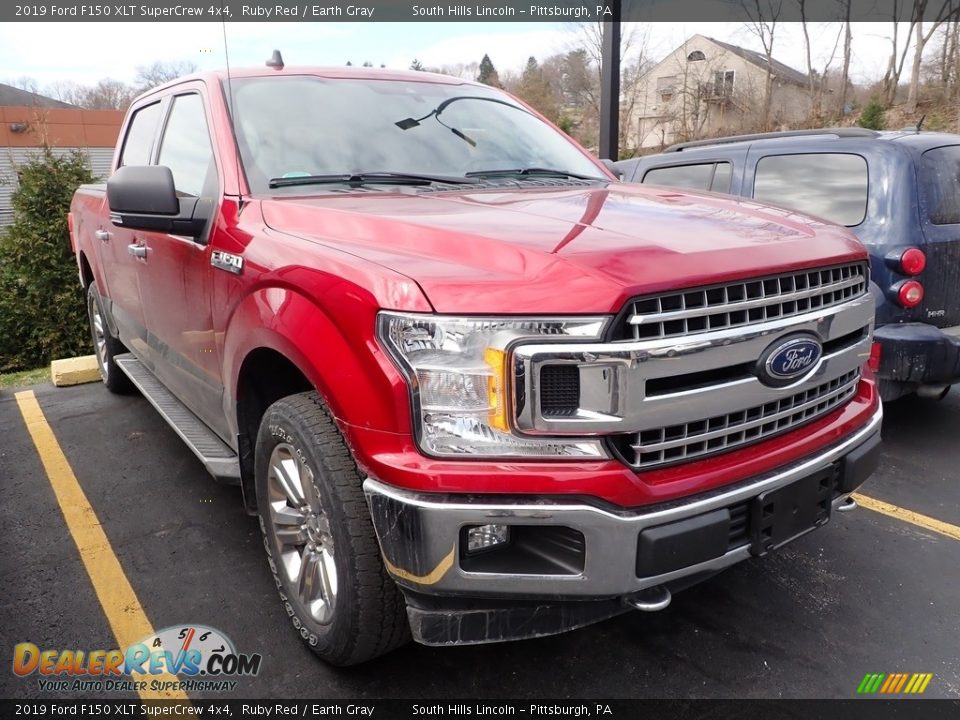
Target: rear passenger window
[
  {"x": 940, "y": 179},
  {"x": 140, "y": 134},
  {"x": 703, "y": 176},
  {"x": 831, "y": 185}
]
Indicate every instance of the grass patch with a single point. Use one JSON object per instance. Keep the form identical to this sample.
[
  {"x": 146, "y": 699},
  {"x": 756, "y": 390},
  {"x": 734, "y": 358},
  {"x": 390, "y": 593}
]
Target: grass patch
[{"x": 25, "y": 377}]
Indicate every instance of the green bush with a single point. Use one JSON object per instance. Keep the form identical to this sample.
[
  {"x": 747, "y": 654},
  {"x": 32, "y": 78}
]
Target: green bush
[
  {"x": 872, "y": 116},
  {"x": 42, "y": 307}
]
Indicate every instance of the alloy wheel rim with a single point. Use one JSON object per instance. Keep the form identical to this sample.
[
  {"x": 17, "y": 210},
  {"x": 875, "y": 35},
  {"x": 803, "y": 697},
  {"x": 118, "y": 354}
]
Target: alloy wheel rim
[
  {"x": 301, "y": 529},
  {"x": 99, "y": 335}
]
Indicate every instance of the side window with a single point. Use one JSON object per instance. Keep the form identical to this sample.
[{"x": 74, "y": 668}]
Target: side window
[
  {"x": 140, "y": 134},
  {"x": 186, "y": 149},
  {"x": 831, "y": 185},
  {"x": 705, "y": 176},
  {"x": 940, "y": 180}
]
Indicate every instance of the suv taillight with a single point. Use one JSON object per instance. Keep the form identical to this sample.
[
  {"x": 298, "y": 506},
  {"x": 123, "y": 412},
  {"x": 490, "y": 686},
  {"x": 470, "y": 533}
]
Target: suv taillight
[
  {"x": 908, "y": 293},
  {"x": 910, "y": 261}
]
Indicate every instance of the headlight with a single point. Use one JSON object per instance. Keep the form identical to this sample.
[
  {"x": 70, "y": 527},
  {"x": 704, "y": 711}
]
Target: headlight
[{"x": 460, "y": 379}]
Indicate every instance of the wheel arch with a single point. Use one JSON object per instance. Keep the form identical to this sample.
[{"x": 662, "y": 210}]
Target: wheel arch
[{"x": 280, "y": 342}]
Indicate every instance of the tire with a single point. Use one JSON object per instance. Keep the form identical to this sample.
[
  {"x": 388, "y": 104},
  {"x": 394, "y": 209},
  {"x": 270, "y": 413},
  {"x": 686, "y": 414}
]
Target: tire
[
  {"x": 105, "y": 346},
  {"x": 314, "y": 518}
]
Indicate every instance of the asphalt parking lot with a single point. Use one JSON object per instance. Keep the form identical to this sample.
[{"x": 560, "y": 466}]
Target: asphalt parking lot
[{"x": 867, "y": 593}]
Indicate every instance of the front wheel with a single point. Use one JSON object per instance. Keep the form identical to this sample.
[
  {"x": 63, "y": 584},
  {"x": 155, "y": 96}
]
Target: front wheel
[{"x": 319, "y": 538}]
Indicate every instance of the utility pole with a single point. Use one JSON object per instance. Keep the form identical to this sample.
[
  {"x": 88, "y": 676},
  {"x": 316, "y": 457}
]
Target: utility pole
[{"x": 610, "y": 86}]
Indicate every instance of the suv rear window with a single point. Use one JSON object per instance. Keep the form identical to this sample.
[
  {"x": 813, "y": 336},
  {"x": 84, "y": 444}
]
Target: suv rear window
[
  {"x": 704, "y": 176},
  {"x": 831, "y": 185},
  {"x": 940, "y": 179}
]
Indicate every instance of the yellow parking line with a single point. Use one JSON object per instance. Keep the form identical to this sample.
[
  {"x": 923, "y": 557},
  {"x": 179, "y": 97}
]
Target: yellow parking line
[
  {"x": 119, "y": 601},
  {"x": 914, "y": 518}
]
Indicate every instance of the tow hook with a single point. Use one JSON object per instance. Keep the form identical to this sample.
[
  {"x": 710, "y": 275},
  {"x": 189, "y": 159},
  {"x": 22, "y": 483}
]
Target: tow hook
[
  {"x": 649, "y": 600},
  {"x": 847, "y": 505}
]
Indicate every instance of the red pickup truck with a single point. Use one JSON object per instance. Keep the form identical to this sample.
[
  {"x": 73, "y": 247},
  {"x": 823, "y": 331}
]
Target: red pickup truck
[{"x": 475, "y": 388}]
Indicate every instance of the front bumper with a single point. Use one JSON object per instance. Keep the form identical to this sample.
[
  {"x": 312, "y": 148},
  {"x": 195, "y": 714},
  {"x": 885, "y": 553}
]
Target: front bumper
[
  {"x": 918, "y": 353},
  {"x": 420, "y": 536}
]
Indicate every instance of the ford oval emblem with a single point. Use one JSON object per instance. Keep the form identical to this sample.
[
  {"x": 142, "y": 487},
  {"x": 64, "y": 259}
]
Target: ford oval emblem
[{"x": 788, "y": 359}]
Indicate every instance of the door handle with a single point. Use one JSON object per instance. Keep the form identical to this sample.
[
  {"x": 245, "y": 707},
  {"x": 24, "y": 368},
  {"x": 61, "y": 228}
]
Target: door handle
[
  {"x": 102, "y": 235},
  {"x": 136, "y": 250}
]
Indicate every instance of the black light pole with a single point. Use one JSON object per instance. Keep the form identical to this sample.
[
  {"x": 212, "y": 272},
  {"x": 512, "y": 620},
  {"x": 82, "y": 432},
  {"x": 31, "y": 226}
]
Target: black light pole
[{"x": 610, "y": 86}]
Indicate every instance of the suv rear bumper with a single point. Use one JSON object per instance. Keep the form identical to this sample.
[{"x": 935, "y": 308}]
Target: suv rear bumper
[
  {"x": 569, "y": 551},
  {"x": 918, "y": 353}
]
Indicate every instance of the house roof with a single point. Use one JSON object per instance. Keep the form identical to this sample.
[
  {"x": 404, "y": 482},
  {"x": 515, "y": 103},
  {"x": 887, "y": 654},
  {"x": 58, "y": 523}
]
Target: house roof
[
  {"x": 12, "y": 96},
  {"x": 777, "y": 68}
]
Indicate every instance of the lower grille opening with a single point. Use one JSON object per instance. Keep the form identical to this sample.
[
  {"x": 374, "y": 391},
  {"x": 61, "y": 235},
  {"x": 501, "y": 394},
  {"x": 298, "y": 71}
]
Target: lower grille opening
[{"x": 532, "y": 550}]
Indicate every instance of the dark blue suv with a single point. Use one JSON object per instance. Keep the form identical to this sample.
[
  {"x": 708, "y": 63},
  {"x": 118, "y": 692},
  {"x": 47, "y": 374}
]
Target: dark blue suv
[{"x": 898, "y": 191}]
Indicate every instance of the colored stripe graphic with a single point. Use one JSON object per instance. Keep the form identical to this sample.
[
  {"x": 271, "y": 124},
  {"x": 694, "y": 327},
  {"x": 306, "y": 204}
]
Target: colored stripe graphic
[{"x": 894, "y": 683}]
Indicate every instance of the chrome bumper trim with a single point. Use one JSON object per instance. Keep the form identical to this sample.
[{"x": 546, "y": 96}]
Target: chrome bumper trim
[
  {"x": 431, "y": 528},
  {"x": 613, "y": 376}
]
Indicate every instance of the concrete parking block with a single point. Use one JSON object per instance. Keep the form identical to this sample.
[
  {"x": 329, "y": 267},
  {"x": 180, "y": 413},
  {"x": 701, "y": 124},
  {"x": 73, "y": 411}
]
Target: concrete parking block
[{"x": 74, "y": 371}]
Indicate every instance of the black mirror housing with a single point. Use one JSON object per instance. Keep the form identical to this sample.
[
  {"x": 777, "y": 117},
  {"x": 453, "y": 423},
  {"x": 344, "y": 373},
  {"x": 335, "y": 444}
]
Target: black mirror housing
[{"x": 143, "y": 197}]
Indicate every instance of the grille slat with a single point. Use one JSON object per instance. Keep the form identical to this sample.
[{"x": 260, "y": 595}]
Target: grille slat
[
  {"x": 743, "y": 303},
  {"x": 661, "y": 446}
]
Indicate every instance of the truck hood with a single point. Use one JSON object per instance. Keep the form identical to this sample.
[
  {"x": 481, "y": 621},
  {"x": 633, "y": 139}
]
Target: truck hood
[{"x": 577, "y": 249}]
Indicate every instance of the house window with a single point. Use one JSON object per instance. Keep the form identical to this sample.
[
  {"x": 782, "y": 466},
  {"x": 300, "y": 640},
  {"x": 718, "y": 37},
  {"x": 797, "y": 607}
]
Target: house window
[
  {"x": 723, "y": 82},
  {"x": 696, "y": 55},
  {"x": 666, "y": 85},
  {"x": 704, "y": 176}
]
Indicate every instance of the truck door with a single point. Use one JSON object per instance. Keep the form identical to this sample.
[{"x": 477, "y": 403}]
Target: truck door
[
  {"x": 116, "y": 244},
  {"x": 175, "y": 282}
]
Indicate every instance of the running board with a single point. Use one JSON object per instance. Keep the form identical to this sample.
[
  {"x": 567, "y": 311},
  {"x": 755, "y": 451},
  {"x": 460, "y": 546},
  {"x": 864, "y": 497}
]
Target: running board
[{"x": 219, "y": 459}]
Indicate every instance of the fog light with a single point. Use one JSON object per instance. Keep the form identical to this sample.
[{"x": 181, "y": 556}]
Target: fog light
[{"x": 485, "y": 537}]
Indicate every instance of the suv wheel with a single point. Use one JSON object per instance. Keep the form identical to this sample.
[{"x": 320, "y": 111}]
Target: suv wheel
[
  {"x": 319, "y": 538},
  {"x": 105, "y": 346}
]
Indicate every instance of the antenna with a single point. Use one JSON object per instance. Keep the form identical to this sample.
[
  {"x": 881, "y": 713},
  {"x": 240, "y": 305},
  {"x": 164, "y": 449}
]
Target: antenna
[
  {"x": 920, "y": 122},
  {"x": 236, "y": 146},
  {"x": 275, "y": 61}
]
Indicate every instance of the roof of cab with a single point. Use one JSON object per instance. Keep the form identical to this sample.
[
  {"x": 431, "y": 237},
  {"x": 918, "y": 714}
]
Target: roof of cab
[
  {"x": 918, "y": 140},
  {"x": 339, "y": 73}
]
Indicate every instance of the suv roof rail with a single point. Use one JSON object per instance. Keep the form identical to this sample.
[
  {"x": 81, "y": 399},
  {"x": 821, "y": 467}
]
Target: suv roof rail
[{"x": 839, "y": 132}]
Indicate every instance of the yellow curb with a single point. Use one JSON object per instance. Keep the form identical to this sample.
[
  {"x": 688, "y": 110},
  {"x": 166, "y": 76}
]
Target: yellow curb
[{"x": 74, "y": 371}]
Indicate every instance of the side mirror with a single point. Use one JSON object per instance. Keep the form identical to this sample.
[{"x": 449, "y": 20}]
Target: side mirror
[
  {"x": 612, "y": 167},
  {"x": 143, "y": 197}
]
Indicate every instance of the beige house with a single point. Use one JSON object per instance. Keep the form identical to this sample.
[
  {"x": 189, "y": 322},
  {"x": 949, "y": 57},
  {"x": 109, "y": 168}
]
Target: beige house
[{"x": 707, "y": 88}]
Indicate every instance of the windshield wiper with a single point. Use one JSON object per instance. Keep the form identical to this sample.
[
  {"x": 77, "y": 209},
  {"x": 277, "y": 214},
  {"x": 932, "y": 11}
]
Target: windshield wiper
[
  {"x": 366, "y": 178},
  {"x": 530, "y": 172}
]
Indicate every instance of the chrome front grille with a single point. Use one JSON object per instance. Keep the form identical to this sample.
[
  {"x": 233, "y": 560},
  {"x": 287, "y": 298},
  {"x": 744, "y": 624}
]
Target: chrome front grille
[
  {"x": 675, "y": 443},
  {"x": 747, "y": 302}
]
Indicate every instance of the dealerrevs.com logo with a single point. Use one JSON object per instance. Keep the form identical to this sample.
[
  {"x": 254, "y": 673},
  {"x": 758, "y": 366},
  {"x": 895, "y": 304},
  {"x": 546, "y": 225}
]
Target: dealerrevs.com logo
[{"x": 203, "y": 657}]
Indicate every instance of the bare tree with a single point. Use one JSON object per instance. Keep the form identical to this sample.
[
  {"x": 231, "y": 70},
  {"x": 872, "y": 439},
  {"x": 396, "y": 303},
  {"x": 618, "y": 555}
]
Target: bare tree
[
  {"x": 107, "y": 94},
  {"x": 847, "y": 45},
  {"x": 25, "y": 83},
  {"x": 150, "y": 76},
  {"x": 816, "y": 78},
  {"x": 947, "y": 10},
  {"x": 763, "y": 16},
  {"x": 634, "y": 62}
]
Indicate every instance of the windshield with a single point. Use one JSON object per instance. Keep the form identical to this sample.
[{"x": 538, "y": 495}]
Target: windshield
[{"x": 289, "y": 127}]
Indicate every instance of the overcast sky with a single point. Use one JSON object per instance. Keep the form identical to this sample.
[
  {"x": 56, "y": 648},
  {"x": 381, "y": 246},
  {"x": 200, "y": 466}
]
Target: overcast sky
[{"x": 84, "y": 53}]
